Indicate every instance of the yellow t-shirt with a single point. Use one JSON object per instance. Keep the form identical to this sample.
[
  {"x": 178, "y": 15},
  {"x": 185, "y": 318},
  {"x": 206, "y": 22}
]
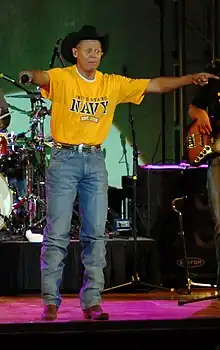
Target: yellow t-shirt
[{"x": 82, "y": 110}]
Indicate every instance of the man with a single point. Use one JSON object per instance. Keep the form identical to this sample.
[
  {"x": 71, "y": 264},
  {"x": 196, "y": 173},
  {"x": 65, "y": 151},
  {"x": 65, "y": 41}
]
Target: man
[
  {"x": 83, "y": 105},
  {"x": 205, "y": 109}
]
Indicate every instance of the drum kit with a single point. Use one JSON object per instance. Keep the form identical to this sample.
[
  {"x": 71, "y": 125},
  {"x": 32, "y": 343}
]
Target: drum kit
[{"x": 22, "y": 172}]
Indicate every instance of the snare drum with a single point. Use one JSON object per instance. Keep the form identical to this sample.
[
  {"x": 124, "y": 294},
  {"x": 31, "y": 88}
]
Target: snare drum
[{"x": 6, "y": 201}]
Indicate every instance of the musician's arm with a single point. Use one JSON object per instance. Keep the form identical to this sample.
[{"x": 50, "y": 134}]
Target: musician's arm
[
  {"x": 201, "y": 115},
  {"x": 197, "y": 112}
]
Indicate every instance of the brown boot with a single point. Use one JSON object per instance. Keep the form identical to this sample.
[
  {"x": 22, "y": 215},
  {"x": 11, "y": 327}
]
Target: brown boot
[
  {"x": 95, "y": 313},
  {"x": 50, "y": 312}
]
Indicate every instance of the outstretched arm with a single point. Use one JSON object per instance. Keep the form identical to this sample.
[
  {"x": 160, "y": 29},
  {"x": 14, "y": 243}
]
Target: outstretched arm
[{"x": 167, "y": 84}]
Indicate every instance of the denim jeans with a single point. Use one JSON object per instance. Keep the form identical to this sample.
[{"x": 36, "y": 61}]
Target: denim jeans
[
  {"x": 213, "y": 187},
  {"x": 71, "y": 173}
]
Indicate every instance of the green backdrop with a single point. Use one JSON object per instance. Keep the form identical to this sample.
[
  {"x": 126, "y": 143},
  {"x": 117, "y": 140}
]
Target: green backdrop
[{"x": 30, "y": 29}]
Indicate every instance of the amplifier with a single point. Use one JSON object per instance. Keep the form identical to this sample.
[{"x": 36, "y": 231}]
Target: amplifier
[{"x": 157, "y": 187}]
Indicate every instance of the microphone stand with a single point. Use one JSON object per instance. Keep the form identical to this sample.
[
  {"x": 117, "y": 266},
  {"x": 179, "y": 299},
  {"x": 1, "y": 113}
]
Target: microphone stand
[
  {"x": 60, "y": 58},
  {"x": 56, "y": 54},
  {"x": 123, "y": 143}
]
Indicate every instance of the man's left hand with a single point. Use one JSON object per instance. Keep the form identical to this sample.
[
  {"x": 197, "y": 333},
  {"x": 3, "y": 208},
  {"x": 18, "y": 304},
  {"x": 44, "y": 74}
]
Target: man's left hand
[{"x": 203, "y": 78}]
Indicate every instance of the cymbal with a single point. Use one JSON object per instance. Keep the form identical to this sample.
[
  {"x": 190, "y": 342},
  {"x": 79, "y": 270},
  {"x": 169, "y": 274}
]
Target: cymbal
[
  {"x": 21, "y": 111},
  {"x": 34, "y": 96}
]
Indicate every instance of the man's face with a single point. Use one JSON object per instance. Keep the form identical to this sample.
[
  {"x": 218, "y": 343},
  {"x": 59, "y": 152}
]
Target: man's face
[{"x": 88, "y": 54}]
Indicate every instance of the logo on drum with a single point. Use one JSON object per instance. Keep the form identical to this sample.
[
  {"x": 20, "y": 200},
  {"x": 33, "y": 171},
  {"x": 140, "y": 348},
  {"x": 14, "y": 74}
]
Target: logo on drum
[{"x": 192, "y": 262}]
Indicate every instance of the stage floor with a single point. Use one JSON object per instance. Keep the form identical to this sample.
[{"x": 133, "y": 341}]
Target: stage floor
[
  {"x": 154, "y": 318},
  {"x": 149, "y": 318}
]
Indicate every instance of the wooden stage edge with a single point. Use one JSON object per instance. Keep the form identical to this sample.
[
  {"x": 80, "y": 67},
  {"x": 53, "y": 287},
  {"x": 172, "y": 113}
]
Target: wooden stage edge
[{"x": 144, "y": 320}]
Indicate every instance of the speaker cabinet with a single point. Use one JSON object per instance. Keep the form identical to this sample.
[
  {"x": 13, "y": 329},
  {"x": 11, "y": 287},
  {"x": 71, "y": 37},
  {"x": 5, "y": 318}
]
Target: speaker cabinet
[{"x": 157, "y": 187}]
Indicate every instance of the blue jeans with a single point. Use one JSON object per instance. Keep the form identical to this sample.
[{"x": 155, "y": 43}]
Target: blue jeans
[{"x": 69, "y": 173}]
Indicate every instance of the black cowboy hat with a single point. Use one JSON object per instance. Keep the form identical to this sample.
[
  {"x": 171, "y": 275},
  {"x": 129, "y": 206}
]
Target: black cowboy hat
[{"x": 87, "y": 32}]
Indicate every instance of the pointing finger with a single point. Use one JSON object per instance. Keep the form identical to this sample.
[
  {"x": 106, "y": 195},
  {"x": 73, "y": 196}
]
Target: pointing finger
[{"x": 212, "y": 76}]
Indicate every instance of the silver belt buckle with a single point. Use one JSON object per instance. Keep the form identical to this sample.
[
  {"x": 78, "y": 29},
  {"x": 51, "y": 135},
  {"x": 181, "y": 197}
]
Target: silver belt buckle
[
  {"x": 58, "y": 145},
  {"x": 80, "y": 147}
]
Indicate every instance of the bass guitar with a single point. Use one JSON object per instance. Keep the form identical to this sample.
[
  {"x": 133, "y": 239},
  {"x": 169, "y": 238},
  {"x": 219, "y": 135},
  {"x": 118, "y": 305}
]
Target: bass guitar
[{"x": 200, "y": 148}]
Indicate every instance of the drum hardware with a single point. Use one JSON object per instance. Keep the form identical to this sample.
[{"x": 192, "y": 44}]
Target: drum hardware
[
  {"x": 33, "y": 156},
  {"x": 32, "y": 202},
  {"x": 37, "y": 173}
]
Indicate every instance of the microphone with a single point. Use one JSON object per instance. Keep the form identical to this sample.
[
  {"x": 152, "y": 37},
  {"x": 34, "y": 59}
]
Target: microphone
[{"x": 54, "y": 53}]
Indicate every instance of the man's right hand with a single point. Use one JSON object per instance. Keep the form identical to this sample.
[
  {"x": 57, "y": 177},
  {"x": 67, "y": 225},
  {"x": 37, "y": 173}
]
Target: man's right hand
[
  {"x": 36, "y": 77},
  {"x": 25, "y": 77}
]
